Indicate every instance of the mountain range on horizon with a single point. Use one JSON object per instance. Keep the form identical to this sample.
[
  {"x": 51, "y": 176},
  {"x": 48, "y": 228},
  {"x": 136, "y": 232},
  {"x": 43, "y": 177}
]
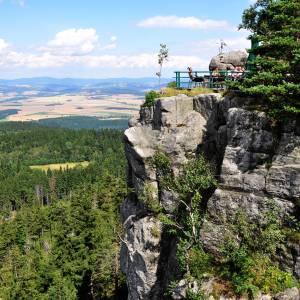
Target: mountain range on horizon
[
  {"x": 81, "y": 81},
  {"x": 44, "y": 86}
]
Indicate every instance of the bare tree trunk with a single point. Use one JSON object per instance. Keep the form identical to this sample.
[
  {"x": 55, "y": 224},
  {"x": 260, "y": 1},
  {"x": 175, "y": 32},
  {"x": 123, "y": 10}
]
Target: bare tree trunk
[{"x": 159, "y": 75}]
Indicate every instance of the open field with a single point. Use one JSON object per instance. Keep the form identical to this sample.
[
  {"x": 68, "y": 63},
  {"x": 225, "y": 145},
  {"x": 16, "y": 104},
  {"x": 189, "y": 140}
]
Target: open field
[
  {"x": 63, "y": 166},
  {"x": 101, "y": 106}
]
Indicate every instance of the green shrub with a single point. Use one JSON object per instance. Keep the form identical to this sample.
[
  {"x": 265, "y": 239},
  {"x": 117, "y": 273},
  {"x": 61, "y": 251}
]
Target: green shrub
[
  {"x": 248, "y": 264},
  {"x": 195, "y": 179},
  {"x": 150, "y": 98},
  {"x": 200, "y": 262},
  {"x": 150, "y": 199},
  {"x": 253, "y": 272},
  {"x": 292, "y": 236},
  {"x": 196, "y": 176},
  {"x": 293, "y": 231},
  {"x": 172, "y": 84},
  {"x": 162, "y": 162},
  {"x": 276, "y": 280},
  {"x": 191, "y": 295}
]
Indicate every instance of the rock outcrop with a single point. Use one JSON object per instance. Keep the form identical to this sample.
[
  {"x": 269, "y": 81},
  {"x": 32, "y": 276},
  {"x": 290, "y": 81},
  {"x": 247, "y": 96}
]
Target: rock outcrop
[
  {"x": 255, "y": 161},
  {"x": 229, "y": 60}
]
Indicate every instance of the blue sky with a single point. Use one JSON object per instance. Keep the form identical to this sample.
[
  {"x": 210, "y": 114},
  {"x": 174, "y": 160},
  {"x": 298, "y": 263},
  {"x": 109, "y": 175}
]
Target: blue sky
[{"x": 99, "y": 39}]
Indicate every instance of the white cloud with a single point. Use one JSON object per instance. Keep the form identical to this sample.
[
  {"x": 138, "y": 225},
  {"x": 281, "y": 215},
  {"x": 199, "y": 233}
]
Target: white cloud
[
  {"x": 139, "y": 61},
  {"x": 182, "y": 22},
  {"x": 77, "y": 48},
  {"x": 113, "y": 38},
  {"x": 3, "y": 45},
  {"x": 110, "y": 46},
  {"x": 73, "y": 42},
  {"x": 239, "y": 43},
  {"x": 28, "y": 60},
  {"x": 210, "y": 47}
]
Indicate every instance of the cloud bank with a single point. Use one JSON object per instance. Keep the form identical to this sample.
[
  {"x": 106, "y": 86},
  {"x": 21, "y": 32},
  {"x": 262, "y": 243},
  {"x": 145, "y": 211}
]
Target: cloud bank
[
  {"x": 81, "y": 47},
  {"x": 73, "y": 42},
  {"x": 182, "y": 22},
  {"x": 48, "y": 60}
]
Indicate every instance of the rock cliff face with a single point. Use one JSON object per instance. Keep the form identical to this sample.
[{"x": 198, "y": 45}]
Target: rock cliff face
[{"x": 255, "y": 160}]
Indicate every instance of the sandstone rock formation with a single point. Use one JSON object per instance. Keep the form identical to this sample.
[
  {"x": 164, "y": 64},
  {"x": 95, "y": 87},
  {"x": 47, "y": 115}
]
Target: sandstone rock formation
[
  {"x": 228, "y": 61},
  {"x": 254, "y": 159}
]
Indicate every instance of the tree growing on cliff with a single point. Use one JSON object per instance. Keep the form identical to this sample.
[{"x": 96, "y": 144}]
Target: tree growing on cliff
[
  {"x": 163, "y": 56},
  {"x": 276, "y": 79}
]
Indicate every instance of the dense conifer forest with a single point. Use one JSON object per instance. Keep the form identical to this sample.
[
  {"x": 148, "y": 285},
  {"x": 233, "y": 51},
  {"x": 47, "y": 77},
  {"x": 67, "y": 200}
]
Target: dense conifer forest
[{"x": 59, "y": 228}]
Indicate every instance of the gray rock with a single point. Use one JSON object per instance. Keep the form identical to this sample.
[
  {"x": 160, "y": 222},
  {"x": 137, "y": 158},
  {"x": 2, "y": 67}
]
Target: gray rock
[
  {"x": 207, "y": 104},
  {"x": 140, "y": 254},
  {"x": 227, "y": 61},
  {"x": 289, "y": 258},
  {"x": 180, "y": 290},
  {"x": 146, "y": 115},
  {"x": 169, "y": 200},
  {"x": 131, "y": 207},
  {"x": 253, "y": 163},
  {"x": 133, "y": 121},
  {"x": 172, "y": 111},
  {"x": 289, "y": 294}
]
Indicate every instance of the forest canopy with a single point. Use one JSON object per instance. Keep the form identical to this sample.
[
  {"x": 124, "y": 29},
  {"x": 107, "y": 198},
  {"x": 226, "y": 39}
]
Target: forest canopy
[{"x": 59, "y": 229}]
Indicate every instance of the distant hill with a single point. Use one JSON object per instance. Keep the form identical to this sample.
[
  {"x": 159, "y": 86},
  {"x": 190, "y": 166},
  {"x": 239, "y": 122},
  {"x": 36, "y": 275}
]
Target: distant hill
[
  {"x": 48, "y": 85},
  {"x": 82, "y": 122},
  {"x": 73, "y": 122},
  {"x": 79, "y": 81},
  {"x": 7, "y": 112}
]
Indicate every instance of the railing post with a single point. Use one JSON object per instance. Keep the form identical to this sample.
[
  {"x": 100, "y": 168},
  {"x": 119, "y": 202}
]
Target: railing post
[
  {"x": 211, "y": 80},
  {"x": 176, "y": 78}
]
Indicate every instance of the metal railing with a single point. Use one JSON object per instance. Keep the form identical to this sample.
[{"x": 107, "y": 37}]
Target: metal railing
[{"x": 211, "y": 79}]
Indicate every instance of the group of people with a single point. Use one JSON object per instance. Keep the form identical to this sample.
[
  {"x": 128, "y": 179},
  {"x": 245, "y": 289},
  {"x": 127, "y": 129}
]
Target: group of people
[
  {"x": 234, "y": 73},
  {"x": 238, "y": 72},
  {"x": 217, "y": 76}
]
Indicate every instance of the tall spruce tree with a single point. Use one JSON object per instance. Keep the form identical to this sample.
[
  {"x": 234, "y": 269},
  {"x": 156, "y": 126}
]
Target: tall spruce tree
[{"x": 275, "y": 79}]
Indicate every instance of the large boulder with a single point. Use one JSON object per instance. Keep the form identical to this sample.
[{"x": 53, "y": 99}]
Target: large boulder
[{"x": 228, "y": 61}]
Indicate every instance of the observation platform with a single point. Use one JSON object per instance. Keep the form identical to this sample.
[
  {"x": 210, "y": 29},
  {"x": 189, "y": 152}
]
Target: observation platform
[{"x": 210, "y": 79}]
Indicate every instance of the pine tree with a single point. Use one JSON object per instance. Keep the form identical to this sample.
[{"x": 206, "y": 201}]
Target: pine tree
[{"x": 276, "y": 78}]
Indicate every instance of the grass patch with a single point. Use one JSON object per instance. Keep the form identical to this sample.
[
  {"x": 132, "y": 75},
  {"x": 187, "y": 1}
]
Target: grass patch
[
  {"x": 63, "y": 166},
  {"x": 169, "y": 91}
]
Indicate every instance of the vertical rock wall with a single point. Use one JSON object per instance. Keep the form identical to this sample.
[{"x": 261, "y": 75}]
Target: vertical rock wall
[{"x": 254, "y": 161}]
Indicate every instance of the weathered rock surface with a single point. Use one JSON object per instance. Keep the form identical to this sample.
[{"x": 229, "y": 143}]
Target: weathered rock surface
[
  {"x": 255, "y": 162},
  {"x": 228, "y": 61},
  {"x": 290, "y": 294}
]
